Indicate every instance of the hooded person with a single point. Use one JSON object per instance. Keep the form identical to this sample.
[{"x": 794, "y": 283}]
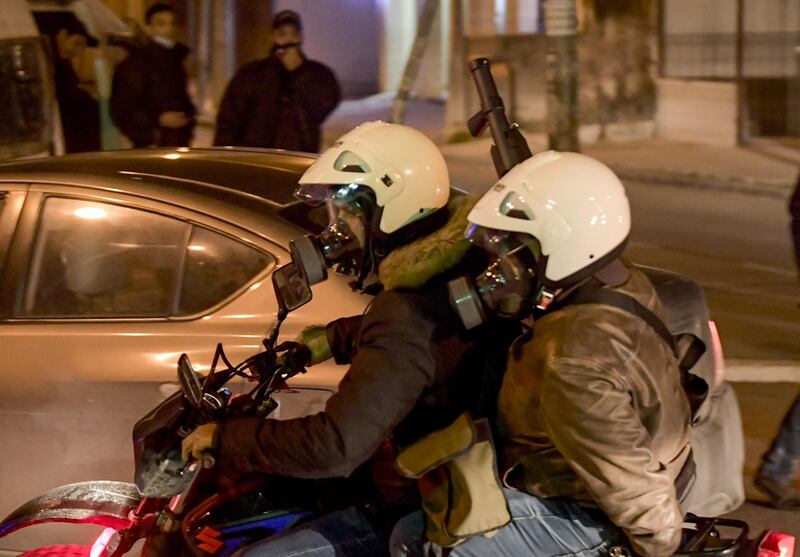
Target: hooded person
[
  {"x": 413, "y": 367},
  {"x": 593, "y": 421}
]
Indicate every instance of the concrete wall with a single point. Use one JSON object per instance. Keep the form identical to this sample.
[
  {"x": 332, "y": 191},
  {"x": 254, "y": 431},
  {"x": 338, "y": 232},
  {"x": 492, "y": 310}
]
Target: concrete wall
[
  {"x": 697, "y": 111},
  {"x": 719, "y": 16},
  {"x": 344, "y": 35},
  {"x": 615, "y": 72},
  {"x": 700, "y": 38}
]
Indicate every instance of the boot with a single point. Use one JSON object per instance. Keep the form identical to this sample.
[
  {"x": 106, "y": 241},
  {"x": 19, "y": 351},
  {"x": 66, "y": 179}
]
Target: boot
[{"x": 781, "y": 492}]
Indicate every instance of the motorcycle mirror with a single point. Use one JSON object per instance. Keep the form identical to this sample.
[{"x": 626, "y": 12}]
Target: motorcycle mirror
[
  {"x": 190, "y": 383},
  {"x": 291, "y": 288}
]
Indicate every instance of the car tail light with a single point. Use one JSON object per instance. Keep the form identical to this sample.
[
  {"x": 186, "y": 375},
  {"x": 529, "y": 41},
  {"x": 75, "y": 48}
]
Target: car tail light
[
  {"x": 102, "y": 542},
  {"x": 717, "y": 355},
  {"x": 776, "y": 544}
]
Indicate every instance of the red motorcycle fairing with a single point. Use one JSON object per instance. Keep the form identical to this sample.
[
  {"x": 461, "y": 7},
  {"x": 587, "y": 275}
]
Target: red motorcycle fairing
[{"x": 105, "y": 503}]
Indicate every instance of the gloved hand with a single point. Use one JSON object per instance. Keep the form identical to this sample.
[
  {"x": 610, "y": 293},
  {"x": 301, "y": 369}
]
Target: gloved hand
[
  {"x": 315, "y": 337},
  {"x": 202, "y": 439}
]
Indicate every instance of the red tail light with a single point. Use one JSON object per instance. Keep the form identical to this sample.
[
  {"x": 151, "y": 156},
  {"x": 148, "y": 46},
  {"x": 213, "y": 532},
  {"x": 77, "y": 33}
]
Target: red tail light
[
  {"x": 776, "y": 544},
  {"x": 717, "y": 354}
]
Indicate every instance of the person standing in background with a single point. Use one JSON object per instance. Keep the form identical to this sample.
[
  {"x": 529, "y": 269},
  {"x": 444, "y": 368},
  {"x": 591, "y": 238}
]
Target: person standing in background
[
  {"x": 775, "y": 476},
  {"x": 80, "y": 116},
  {"x": 794, "y": 211},
  {"x": 279, "y": 101},
  {"x": 149, "y": 100}
]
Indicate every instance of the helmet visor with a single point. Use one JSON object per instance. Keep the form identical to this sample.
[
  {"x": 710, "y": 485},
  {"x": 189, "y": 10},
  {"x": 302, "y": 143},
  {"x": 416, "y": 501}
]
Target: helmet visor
[{"x": 501, "y": 242}]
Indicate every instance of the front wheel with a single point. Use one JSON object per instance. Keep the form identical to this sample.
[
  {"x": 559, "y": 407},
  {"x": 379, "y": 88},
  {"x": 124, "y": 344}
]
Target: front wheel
[{"x": 59, "y": 551}]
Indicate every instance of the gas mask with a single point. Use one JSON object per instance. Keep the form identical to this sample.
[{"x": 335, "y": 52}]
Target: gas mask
[
  {"x": 508, "y": 287},
  {"x": 344, "y": 243}
]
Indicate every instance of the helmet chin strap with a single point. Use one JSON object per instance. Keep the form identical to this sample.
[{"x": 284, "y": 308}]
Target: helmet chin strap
[
  {"x": 614, "y": 274},
  {"x": 365, "y": 265}
]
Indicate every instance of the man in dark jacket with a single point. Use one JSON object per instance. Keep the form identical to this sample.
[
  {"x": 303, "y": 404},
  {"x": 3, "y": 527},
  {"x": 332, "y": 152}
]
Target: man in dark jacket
[
  {"x": 413, "y": 368},
  {"x": 79, "y": 110},
  {"x": 279, "y": 101},
  {"x": 149, "y": 101},
  {"x": 794, "y": 212}
]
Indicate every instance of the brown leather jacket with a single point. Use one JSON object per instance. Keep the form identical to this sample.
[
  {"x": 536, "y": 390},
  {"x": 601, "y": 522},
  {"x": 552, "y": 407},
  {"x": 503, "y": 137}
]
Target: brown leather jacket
[{"x": 592, "y": 408}]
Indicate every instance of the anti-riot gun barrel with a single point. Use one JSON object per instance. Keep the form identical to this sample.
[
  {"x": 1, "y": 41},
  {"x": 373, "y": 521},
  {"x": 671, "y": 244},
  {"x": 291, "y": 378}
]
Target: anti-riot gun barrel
[{"x": 510, "y": 147}]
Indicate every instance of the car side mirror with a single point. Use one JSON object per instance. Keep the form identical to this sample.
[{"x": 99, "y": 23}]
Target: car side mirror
[
  {"x": 190, "y": 383},
  {"x": 291, "y": 288}
]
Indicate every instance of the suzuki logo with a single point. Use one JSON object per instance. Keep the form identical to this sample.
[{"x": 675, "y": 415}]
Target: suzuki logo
[{"x": 210, "y": 542}]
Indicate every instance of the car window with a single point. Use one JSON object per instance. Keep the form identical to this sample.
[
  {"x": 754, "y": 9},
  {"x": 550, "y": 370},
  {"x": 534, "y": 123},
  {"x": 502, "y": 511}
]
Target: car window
[
  {"x": 94, "y": 259},
  {"x": 216, "y": 267},
  {"x": 101, "y": 260}
]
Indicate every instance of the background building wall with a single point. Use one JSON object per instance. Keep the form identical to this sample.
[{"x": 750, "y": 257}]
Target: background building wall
[
  {"x": 616, "y": 81},
  {"x": 344, "y": 35}
]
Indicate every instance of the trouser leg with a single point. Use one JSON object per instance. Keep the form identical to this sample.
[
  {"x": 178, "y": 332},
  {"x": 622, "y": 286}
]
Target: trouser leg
[
  {"x": 541, "y": 527},
  {"x": 780, "y": 461},
  {"x": 346, "y": 533}
]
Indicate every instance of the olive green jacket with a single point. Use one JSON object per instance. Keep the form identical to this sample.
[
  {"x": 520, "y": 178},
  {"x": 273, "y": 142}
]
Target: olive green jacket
[{"x": 592, "y": 408}]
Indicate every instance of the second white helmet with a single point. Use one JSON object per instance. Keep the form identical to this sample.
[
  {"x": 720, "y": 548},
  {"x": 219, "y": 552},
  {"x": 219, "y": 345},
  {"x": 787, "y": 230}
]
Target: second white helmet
[{"x": 573, "y": 205}]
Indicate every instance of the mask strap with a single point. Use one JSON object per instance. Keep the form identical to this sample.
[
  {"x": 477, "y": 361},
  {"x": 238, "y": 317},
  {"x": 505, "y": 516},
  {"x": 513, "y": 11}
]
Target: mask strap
[{"x": 366, "y": 264}]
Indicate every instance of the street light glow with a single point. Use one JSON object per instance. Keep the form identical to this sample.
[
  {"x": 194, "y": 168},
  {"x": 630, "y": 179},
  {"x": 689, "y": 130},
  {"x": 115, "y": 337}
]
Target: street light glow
[{"x": 90, "y": 213}]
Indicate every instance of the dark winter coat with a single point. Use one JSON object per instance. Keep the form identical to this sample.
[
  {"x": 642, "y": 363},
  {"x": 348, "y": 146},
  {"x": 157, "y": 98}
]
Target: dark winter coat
[
  {"x": 413, "y": 369},
  {"x": 267, "y": 106},
  {"x": 152, "y": 80},
  {"x": 794, "y": 211},
  {"x": 80, "y": 116}
]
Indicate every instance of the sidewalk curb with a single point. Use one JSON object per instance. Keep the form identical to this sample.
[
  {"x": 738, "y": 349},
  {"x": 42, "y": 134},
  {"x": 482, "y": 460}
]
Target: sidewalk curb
[
  {"x": 762, "y": 371},
  {"x": 776, "y": 189},
  {"x": 769, "y": 188}
]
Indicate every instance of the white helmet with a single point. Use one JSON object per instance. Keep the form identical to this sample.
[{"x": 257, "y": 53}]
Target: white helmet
[
  {"x": 573, "y": 205},
  {"x": 403, "y": 168}
]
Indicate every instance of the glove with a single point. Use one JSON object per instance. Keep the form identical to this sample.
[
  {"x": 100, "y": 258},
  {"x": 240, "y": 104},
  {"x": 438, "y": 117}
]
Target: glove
[
  {"x": 315, "y": 338},
  {"x": 202, "y": 439}
]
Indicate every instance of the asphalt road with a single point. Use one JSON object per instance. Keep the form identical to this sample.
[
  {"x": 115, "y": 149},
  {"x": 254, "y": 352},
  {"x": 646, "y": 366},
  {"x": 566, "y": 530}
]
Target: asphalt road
[{"x": 738, "y": 247}]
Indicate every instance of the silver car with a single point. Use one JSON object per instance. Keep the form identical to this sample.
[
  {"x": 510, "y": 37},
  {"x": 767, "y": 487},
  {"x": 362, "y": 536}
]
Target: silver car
[{"x": 114, "y": 264}]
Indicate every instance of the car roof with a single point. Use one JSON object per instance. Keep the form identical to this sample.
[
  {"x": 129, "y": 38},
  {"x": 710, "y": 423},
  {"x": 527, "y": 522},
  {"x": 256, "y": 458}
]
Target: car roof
[{"x": 268, "y": 174}]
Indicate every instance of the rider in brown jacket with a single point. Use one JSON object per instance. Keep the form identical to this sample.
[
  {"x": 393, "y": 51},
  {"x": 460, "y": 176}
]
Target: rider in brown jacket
[{"x": 593, "y": 420}]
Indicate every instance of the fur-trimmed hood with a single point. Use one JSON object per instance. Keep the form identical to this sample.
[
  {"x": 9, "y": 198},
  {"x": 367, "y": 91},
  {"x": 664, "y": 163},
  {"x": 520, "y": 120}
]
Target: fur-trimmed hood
[{"x": 414, "y": 264}]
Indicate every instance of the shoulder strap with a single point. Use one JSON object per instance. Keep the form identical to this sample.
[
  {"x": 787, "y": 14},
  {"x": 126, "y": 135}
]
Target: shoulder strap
[
  {"x": 695, "y": 387},
  {"x": 597, "y": 295},
  {"x": 687, "y": 344}
]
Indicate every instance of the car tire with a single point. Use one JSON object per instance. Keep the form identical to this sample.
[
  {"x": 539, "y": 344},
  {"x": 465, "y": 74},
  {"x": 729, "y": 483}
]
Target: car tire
[{"x": 59, "y": 551}]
